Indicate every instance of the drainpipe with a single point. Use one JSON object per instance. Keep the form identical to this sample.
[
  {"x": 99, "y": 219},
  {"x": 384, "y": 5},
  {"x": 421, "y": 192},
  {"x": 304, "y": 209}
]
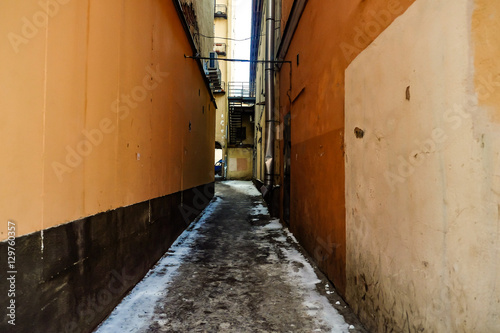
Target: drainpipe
[{"x": 269, "y": 141}]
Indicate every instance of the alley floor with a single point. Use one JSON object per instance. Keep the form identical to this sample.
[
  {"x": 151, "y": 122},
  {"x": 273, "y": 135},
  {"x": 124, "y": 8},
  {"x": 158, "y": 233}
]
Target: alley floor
[{"x": 233, "y": 270}]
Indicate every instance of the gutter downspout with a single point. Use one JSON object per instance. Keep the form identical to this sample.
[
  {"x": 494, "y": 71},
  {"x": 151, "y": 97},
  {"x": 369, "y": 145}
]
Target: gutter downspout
[{"x": 269, "y": 140}]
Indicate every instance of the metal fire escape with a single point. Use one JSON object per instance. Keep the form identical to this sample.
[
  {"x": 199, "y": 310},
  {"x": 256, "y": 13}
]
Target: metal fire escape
[
  {"x": 213, "y": 74},
  {"x": 220, "y": 10},
  {"x": 241, "y": 102}
]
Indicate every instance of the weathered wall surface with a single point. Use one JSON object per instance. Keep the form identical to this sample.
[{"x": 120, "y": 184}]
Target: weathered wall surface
[
  {"x": 422, "y": 205},
  {"x": 200, "y": 16},
  {"x": 223, "y": 28},
  {"x": 260, "y": 116},
  {"x": 87, "y": 266},
  {"x": 240, "y": 159},
  {"x": 260, "y": 97},
  {"x": 329, "y": 36},
  {"x": 100, "y": 110},
  {"x": 239, "y": 164},
  {"x": 105, "y": 125}
]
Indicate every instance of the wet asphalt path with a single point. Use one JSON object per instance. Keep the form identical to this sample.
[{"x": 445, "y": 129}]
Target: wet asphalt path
[{"x": 235, "y": 270}]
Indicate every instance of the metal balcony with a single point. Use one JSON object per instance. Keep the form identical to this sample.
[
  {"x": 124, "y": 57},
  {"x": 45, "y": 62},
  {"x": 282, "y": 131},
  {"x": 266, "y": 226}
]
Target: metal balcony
[
  {"x": 241, "y": 100},
  {"x": 221, "y": 11},
  {"x": 218, "y": 87},
  {"x": 213, "y": 73},
  {"x": 220, "y": 48},
  {"x": 241, "y": 89}
]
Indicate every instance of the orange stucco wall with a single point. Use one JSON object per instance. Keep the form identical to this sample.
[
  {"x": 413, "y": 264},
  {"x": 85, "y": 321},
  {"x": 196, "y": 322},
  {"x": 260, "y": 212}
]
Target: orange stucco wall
[
  {"x": 100, "y": 109},
  {"x": 487, "y": 49},
  {"x": 329, "y": 36},
  {"x": 286, "y": 8}
]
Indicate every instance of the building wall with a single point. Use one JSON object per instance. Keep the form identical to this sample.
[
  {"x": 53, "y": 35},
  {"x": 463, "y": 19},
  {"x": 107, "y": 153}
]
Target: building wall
[
  {"x": 223, "y": 28},
  {"x": 102, "y": 115},
  {"x": 392, "y": 171},
  {"x": 260, "y": 116},
  {"x": 260, "y": 135},
  {"x": 316, "y": 104},
  {"x": 421, "y": 187},
  {"x": 240, "y": 159},
  {"x": 204, "y": 14},
  {"x": 260, "y": 99},
  {"x": 286, "y": 8},
  {"x": 78, "y": 74},
  {"x": 239, "y": 163}
]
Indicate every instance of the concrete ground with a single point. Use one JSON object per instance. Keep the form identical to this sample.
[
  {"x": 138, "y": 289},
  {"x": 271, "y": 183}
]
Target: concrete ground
[{"x": 233, "y": 270}]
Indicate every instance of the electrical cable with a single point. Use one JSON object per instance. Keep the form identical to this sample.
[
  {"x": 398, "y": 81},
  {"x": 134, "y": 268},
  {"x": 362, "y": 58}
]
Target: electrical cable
[{"x": 227, "y": 38}]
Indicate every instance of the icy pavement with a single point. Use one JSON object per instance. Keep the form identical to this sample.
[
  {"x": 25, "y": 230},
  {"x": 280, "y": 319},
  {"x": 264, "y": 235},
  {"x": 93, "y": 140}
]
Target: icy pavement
[{"x": 233, "y": 270}]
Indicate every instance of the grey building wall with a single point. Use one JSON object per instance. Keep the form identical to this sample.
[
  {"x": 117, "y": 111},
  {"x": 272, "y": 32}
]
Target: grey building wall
[{"x": 200, "y": 17}]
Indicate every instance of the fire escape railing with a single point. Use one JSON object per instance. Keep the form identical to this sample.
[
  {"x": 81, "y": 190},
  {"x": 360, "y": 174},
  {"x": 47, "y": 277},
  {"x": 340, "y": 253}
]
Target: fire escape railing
[
  {"x": 241, "y": 89},
  {"x": 241, "y": 98},
  {"x": 220, "y": 11}
]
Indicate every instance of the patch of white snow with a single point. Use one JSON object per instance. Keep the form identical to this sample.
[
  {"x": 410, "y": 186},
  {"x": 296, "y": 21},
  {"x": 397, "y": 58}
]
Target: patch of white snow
[
  {"x": 273, "y": 225},
  {"x": 306, "y": 279},
  {"x": 244, "y": 187},
  {"x": 259, "y": 210},
  {"x": 135, "y": 310},
  {"x": 302, "y": 276}
]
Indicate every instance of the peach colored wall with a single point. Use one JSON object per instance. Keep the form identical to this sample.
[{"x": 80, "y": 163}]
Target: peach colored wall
[
  {"x": 73, "y": 74},
  {"x": 422, "y": 185},
  {"x": 327, "y": 40},
  {"x": 239, "y": 165}
]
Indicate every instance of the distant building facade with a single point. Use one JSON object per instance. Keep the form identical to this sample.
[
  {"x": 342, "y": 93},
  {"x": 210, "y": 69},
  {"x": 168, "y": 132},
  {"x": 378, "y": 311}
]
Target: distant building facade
[
  {"x": 233, "y": 127},
  {"x": 222, "y": 46}
]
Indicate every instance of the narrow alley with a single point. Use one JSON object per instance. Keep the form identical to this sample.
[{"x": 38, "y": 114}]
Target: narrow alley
[
  {"x": 233, "y": 270},
  {"x": 250, "y": 166}
]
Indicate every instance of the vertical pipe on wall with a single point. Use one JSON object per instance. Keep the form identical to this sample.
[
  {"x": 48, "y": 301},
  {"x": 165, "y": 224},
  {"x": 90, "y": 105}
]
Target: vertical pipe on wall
[{"x": 269, "y": 141}]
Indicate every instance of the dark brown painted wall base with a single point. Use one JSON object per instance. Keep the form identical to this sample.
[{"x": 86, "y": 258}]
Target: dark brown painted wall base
[{"x": 87, "y": 266}]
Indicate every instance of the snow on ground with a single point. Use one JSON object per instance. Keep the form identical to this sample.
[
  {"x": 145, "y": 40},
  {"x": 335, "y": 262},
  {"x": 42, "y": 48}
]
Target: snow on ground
[
  {"x": 248, "y": 188},
  {"x": 134, "y": 312},
  {"x": 260, "y": 209},
  {"x": 273, "y": 225},
  {"x": 245, "y": 187},
  {"x": 302, "y": 276}
]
